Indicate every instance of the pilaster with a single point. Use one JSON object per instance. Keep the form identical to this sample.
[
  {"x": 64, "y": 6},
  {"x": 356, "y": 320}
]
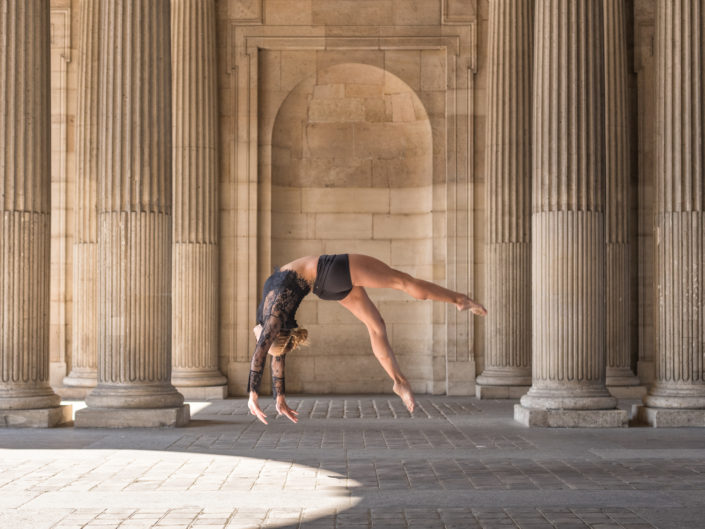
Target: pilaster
[
  {"x": 568, "y": 222},
  {"x": 84, "y": 358},
  {"x": 26, "y": 399},
  {"x": 678, "y": 396},
  {"x": 195, "y": 260},
  {"x": 507, "y": 372},
  {"x": 134, "y": 222}
]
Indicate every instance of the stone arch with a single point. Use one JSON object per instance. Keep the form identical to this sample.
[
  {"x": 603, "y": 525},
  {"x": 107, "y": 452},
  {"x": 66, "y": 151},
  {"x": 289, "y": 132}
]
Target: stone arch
[{"x": 352, "y": 171}]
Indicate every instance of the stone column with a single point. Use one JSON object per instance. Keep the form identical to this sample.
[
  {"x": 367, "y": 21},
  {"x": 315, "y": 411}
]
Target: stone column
[
  {"x": 195, "y": 271},
  {"x": 677, "y": 398},
  {"x": 568, "y": 222},
  {"x": 84, "y": 373},
  {"x": 507, "y": 371},
  {"x": 620, "y": 378},
  {"x": 26, "y": 399},
  {"x": 134, "y": 222}
]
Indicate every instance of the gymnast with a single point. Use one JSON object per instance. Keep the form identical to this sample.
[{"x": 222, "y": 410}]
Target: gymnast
[{"x": 343, "y": 278}]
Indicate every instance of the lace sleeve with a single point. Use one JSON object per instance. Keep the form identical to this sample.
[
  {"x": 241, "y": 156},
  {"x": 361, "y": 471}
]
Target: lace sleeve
[
  {"x": 270, "y": 331},
  {"x": 277, "y": 366}
]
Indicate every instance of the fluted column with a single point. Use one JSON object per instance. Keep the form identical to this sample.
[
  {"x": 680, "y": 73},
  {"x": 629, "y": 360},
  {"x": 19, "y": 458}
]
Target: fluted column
[
  {"x": 84, "y": 357},
  {"x": 617, "y": 153},
  {"x": 195, "y": 273},
  {"x": 678, "y": 396},
  {"x": 568, "y": 222},
  {"x": 507, "y": 372},
  {"x": 26, "y": 399},
  {"x": 134, "y": 222}
]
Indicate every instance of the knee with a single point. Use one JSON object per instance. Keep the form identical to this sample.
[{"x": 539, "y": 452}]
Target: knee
[
  {"x": 377, "y": 327},
  {"x": 411, "y": 286}
]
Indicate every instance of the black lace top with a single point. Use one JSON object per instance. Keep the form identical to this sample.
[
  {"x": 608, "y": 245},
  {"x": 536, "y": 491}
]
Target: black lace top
[{"x": 281, "y": 296}]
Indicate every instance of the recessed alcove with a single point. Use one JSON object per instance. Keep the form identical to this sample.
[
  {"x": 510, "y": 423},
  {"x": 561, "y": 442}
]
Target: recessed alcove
[{"x": 351, "y": 171}]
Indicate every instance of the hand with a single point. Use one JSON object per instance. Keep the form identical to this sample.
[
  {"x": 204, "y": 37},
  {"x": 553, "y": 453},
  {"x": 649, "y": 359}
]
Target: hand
[
  {"x": 284, "y": 409},
  {"x": 478, "y": 309},
  {"x": 255, "y": 409}
]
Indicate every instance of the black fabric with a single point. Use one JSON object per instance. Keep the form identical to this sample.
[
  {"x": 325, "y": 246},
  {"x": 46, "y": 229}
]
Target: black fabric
[
  {"x": 281, "y": 296},
  {"x": 333, "y": 280}
]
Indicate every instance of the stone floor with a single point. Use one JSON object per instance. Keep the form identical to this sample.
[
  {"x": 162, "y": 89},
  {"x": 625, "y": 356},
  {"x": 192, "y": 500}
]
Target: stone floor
[{"x": 353, "y": 462}]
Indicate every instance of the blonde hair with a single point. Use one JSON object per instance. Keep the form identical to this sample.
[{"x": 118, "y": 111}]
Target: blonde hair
[{"x": 287, "y": 340}]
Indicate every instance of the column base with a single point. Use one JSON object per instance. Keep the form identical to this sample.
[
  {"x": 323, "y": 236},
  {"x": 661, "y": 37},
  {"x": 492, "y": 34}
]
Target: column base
[
  {"x": 627, "y": 392},
  {"x": 503, "y": 383},
  {"x": 203, "y": 392},
  {"x": 72, "y": 392},
  {"x": 82, "y": 377},
  {"x": 500, "y": 392},
  {"x": 133, "y": 417},
  {"x": 561, "y": 418},
  {"x": 36, "y": 418},
  {"x": 669, "y": 418}
]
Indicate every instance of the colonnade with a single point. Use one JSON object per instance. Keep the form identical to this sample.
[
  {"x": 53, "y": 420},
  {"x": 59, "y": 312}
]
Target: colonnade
[
  {"x": 145, "y": 232},
  {"x": 580, "y": 153},
  {"x": 134, "y": 245}
]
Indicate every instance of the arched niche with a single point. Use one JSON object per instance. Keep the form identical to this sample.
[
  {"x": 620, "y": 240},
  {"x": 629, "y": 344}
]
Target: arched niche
[{"x": 352, "y": 171}]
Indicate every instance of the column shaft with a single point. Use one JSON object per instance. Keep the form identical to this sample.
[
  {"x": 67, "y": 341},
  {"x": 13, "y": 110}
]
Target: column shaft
[
  {"x": 84, "y": 358},
  {"x": 134, "y": 220},
  {"x": 568, "y": 220},
  {"x": 617, "y": 155},
  {"x": 26, "y": 399},
  {"x": 195, "y": 318},
  {"x": 680, "y": 217},
  {"x": 507, "y": 370}
]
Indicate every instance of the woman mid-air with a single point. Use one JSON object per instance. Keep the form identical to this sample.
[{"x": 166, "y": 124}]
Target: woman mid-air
[{"x": 342, "y": 278}]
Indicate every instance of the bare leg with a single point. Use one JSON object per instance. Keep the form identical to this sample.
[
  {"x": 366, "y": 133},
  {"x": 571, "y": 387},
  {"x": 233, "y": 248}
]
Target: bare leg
[
  {"x": 366, "y": 271},
  {"x": 359, "y": 303}
]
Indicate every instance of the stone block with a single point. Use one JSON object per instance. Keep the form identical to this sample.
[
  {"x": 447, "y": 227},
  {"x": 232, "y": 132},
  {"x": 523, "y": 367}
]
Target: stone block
[
  {"x": 336, "y": 110},
  {"x": 364, "y": 91},
  {"x": 411, "y": 199},
  {"x": 562, "y": 418},
  {"x": 668, "y": 418},
  {"x": 403, "y": 108},
  {"x": 286, "y": 199},
  {"x": 417, "y": 12},
  {"x": 412, "y": 226},
  {"x": 293, "y": 225},
  {"x": 132, "y": 417},
  {"x": 343, "y": 226},
  {"x": 203, "y": 392},
  {"x": 411, "y": 252},
  {"x": 500, "y": 392},
  {"x": 433, "y": 70},
  {"x": 36, "y": 418},
  {"x": 288, "y": 12},
  {"x": 335, "y": 173},
  {"x": 349, "y": 66},
  {"x": 380, "y": 249},
  {"x": 329, "y": 140},
  {"x": 410, "y": 171},
  {"x": 411, "y": 311},
  {"x": 378, "y": 110},
  {"x": 285, "y": 249},
  {"x": 329, "y": 91},
  {"x": 406, "y": 65},
  {"x": 350, "y": 372},
  {"x": 362, "y": 12},
  {"x": 345, "y": 200},
  {"x": 392, "y": 140}
]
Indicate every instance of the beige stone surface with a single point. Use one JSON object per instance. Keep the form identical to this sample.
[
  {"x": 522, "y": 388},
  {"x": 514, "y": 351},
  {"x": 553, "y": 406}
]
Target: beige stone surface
[{"x": 25, "y": 216}]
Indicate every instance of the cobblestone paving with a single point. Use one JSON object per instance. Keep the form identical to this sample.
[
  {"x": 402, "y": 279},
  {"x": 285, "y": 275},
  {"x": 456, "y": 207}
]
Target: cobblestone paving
[{"x": 353, "y": 462}]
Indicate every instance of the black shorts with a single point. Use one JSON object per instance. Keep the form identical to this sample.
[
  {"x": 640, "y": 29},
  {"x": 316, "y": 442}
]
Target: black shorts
[{"x": 333, "y": 280}]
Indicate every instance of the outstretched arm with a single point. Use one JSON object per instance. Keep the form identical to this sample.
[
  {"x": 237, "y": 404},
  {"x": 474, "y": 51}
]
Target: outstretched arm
[
  {"x": 278, "y": 388},
  {"x": 269, "y": 333}
]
